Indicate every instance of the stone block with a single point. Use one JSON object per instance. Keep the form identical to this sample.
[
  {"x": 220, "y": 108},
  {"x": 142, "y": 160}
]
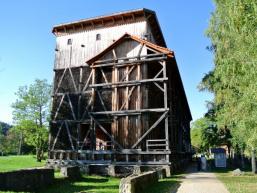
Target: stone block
[
  {"x": 111, "y": 170},
  {"x": 26, "y": 180},
  {"x": 137, "y": 183},
  {"x": 98, "y": 169},
  {"x": 168, "y": 170},
  {"x": 72, "y": 172}
]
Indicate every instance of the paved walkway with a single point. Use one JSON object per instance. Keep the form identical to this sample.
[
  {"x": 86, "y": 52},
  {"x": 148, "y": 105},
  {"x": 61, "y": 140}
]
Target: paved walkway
[{"x": 200, "y": 182}]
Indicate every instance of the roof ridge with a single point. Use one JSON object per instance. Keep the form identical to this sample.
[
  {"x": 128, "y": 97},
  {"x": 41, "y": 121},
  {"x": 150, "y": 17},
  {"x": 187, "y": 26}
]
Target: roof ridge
[{"x": 138, "y": 39}]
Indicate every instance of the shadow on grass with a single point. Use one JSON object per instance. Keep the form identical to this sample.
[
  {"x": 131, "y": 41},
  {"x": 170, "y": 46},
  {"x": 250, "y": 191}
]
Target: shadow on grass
[
  {"x": 220, "y": 170},
  {"x": 166, "y": 185},
  {"x": 85, "y": 184}
]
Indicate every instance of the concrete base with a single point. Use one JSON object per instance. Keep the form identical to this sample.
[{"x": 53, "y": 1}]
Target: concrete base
[
  {"x": 71, "y": 172},
  {"x": 116, "y": 170}
]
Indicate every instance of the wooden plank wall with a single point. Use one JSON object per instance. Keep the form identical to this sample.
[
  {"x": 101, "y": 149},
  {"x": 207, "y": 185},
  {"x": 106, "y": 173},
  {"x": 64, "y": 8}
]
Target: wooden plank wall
[{"x": 85, "y": 46}]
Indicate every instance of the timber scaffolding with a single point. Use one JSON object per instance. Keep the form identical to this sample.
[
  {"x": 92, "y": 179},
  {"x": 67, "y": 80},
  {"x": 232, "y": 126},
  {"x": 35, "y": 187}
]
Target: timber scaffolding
[{"x": 120, "y": 110}]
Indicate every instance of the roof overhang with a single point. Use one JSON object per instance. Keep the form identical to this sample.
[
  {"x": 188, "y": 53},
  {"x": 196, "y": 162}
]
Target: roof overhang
[
  {"x": 112, "y": 20},
  {"x": 127, "y": 36}
]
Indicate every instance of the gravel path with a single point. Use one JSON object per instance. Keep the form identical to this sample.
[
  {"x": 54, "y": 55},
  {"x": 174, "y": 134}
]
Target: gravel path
[{"x": 201, "y": 182}]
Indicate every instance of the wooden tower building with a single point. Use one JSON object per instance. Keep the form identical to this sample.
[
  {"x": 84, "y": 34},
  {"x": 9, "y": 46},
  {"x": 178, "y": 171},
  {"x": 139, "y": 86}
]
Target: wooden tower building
[{"x": 118, "y": 97}]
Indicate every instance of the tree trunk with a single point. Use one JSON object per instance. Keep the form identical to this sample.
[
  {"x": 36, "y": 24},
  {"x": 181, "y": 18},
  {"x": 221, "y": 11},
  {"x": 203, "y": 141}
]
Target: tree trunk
[
  {"x": 229, "y": 151},
  {"x": 242, "y": 160},
  {"x": 20, "y": 144},
  {"x": 38, "y": 153},
  {"x": 253, "y": 161}
]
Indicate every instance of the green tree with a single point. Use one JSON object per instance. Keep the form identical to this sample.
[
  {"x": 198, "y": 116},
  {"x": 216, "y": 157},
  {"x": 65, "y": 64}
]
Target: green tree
[
  {"x": 2, "y": 144},
  {"x": 31, "y": 112},
  {"x": 232, "y": 31}
]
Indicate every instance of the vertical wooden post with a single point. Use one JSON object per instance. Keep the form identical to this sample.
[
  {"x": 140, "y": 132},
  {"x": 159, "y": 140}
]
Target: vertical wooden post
[
  {"x": 127, "y": 103},
  {"x": 93, "y": 136},
  {"x": 79, "y": 107},
  {"x": 166, "y": 106},
  {"x": 115, "y": 102},
  {"x": 139, "y": 98}
]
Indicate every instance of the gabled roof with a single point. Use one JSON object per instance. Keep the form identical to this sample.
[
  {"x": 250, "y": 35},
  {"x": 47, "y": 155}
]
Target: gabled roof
[
  {"x": 114, "y": 19},
  {"x": 127, "y": 36}
]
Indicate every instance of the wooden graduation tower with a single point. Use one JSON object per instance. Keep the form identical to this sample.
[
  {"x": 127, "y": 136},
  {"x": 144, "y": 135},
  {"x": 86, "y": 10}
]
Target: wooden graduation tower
[{"x": 118, "y": 97}]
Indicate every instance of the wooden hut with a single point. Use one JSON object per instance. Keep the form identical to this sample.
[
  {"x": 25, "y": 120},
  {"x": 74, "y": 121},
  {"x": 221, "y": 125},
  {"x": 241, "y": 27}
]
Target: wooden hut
[{"x": 118, "y": 97}]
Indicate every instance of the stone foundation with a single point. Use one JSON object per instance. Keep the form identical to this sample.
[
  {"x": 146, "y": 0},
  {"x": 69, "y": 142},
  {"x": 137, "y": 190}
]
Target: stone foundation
[{"x": 71, "y": 172}]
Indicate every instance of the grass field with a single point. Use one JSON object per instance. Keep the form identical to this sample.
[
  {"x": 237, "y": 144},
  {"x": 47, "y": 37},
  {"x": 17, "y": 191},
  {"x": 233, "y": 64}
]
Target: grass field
[
  {"x": 8, "y": 163},
  {"x": 246, "y": 183},
  {"x": 89, "y": 184},
  {"x": 95, "y": 184}
]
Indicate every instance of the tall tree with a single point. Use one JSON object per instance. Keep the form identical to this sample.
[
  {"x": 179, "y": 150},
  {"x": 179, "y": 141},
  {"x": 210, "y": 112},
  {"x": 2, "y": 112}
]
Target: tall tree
[
  {"x": 232, "y": 30},
  {"x": 31, "y": 112}
]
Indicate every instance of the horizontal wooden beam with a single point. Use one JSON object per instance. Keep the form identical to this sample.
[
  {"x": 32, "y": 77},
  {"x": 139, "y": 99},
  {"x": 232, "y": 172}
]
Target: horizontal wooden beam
[
  {"x": 128, "y": 83},
  {"x": 127, "y": 58},
  {"x": 150, "y": 129},
  {"x": 85, "y": 121},
  {"x": 129, "y": 63},
  {"x": 127, "y": 112}
]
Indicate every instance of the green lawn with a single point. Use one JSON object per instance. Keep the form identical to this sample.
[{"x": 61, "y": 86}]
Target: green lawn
[
  {"x": 246, "y": 183},
  {"x": 88, "y": 184},
  {"x": 94, "y": 184},
  {"x": 8, "y": 163}
]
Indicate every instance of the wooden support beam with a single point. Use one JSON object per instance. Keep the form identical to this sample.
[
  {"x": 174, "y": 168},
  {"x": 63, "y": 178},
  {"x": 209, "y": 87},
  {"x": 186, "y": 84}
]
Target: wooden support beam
[
  {"x": 69, "y": 135},
  {"x": 140, "y": 50},
  {"x": 127, "y": 58},
  {"x": 101, "y": 100},
  {"x": 139, "y": 98},
  {"x": 104, "y": 130},
  {"x": 128, "y": 83},
  {"x": 71, "y": 107},
  {"x": 88, "y": 80},
  {"x": 58, "y": 108},
  {"x": 85, "y": 138},
  {"x": 57, "y": 135},
  {"x": 79, "y": 106},
  {"x": 82, "y": 121},
  {"x": 156, "y": 84},
  {"x": 128, "y": 98},
  {"x": 60, "y": 81},
  {"x": 156, "y": 76},
  {"x": 129, "y": 62},
  {"x": 127, "y": 74},
  {"x": 150, "y": 129},
  {"x": 127, "y": 112},
  {"x": 126, "y": 124},
  {"x": 165, "y": 98},
  {"x": 105, "y": 79},
  {"x": 73, "y": 81}
]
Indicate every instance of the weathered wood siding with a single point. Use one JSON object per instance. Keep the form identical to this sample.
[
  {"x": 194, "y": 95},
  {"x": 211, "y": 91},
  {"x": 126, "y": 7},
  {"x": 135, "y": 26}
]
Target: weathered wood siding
[
  {"x": 126, "y": 130},
  {"x": 84, "y": 44}
]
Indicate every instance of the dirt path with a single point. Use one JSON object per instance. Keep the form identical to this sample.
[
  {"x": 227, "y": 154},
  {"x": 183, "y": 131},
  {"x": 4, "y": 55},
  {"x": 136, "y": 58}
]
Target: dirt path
[{"x": 200, "y": 182}]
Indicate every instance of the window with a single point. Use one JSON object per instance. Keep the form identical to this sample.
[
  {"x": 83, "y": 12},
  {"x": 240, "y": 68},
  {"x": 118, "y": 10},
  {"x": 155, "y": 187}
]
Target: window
[
  {"x": 98, "y": 36},
  {"x": 69, "y": 42}
]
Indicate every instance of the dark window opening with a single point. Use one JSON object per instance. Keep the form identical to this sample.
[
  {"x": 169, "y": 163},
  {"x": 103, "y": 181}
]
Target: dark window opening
[
  {"x": 69, "y": 42},
  {"x": 98, "y": 36}
]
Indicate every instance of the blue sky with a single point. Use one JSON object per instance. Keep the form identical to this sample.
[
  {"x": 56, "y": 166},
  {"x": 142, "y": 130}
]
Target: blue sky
[{"x": 27, "y": 45}]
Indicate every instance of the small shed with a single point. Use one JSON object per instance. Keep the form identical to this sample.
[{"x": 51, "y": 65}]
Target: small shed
[{"x": 219, "y": 157}]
